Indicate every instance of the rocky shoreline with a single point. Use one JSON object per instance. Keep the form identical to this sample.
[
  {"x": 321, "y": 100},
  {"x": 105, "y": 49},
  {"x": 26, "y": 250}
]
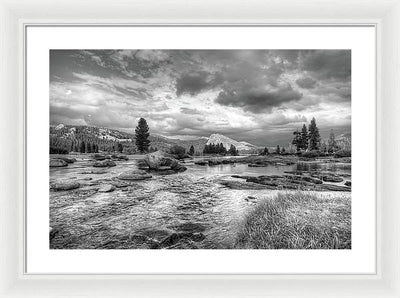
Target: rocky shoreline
[{"x": 287, "y": 182}]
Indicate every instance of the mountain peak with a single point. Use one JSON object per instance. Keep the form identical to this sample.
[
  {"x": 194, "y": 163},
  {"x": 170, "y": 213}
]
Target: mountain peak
[
  {"x": 216, "y": 138},
  {"x": 217, "y": 135}
]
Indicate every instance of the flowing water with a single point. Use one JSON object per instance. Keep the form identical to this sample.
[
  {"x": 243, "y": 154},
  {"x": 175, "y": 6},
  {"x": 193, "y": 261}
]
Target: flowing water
[{"x": 190, "y": 201}]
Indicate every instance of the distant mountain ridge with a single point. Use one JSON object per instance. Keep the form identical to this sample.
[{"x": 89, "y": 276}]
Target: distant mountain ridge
[{"x": 102, "y": 134}]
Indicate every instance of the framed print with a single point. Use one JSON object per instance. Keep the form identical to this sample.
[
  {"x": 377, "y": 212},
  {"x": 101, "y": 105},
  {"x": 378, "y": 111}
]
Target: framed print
[
  {"x": 169, "y": 157},
  {"x": 183, "y": 149}
]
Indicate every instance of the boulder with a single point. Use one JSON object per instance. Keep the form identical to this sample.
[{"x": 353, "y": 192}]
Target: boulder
[
  {"x": 255, "y": 165},
  {"x": 304, "y": 178},
  {"x": 120, "y": 157},
  {"x": 161, "y": 163},
  {"x": 332, "y": 179},
  {"x": 134, "y": 175},
  {"x": 54, "y": 163},
  {"x": 98, "y": 156},
  {"x": 60, "y": 186},
  {"x": 99, "y": 172},
  {"x": 66, "y": 159},
  {"x": 179, "y": 168},
  {"x": 214, "y": 162},
  {"x": 348, "y": 183},
  {"x": 243, "y": 185},
  {"x": 107, "y": 188},
  {"x": 332, "y": 187},
  {"x": 201, "y": 162},
  {"x": 240, "y": 176},
  {"x": 104, "y": 164},
  {"x": 159, "y": 159},
  {"x": 142, "y": 165},
  {"x": 227, "y": 161}
]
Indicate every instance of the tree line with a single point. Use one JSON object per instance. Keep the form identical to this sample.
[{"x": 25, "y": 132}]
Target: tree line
[
  {"x": 82, "y": 144},
  {"x": 220, "y": 149},
  {"x": 310, "y": 140},
  {"x": 307, "y": 139}
]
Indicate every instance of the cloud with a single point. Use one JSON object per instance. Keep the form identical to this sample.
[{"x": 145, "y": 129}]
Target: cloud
[
  {"x": 193, "y": 83},
  {"x": 258, "y": 100},
  {"x": 252, "y": 95},
  {"x": 152, "y": 55},
  {"x": 190, "y": 111},
  {"x": 306, "y": 83},
  {"x": 328, "y": 64},
  {"x": 280, "y": 119}
]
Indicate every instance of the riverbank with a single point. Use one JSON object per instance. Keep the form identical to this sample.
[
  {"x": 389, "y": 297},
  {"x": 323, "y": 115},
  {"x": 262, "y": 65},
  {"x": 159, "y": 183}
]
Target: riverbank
[{"x": 299, "y": 220}]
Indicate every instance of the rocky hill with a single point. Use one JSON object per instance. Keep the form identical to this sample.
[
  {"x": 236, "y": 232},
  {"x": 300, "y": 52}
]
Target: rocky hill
[{"x": 243, "y": 147}]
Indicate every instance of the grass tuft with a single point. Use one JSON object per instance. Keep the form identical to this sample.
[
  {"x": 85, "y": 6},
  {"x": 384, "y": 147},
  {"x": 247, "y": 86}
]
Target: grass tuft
[{"x": 298, "y": 220}]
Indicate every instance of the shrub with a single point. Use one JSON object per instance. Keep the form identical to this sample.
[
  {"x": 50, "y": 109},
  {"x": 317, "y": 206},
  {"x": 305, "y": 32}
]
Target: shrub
[
  {"x": 178, "y": 151},
  {"x": 310, "y": 154},
  {"x": 343, "y": 153},
  {"x": 56, "y": 150}
]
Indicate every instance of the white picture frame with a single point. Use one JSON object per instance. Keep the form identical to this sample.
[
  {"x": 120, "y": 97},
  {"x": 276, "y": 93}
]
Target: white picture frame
[{"x": 15, "y": 15}]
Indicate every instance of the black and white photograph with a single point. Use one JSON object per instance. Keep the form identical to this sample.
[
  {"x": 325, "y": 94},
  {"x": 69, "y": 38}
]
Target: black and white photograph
[{"x": 200, "y": 149}]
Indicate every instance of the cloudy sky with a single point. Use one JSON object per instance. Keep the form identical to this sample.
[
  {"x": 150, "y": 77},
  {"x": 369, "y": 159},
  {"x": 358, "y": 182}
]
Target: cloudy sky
[{"x": 258, "y": 96}]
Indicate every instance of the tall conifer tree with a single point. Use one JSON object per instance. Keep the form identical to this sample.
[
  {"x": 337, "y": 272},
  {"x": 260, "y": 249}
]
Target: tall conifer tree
[{"x": 142, "y": 136}]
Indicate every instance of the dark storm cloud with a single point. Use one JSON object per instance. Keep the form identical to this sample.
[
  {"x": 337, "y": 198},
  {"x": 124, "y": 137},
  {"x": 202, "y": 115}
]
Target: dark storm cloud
[
  {"x": 328, "y": 64},
  {"x": 258, "y": 100},
  {"x": 306, "y": 83},
  {"x": 193, "y": 83}
]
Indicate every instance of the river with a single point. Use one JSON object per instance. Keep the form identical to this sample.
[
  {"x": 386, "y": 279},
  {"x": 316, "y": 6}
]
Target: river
[{"x": 191, "y": 201}]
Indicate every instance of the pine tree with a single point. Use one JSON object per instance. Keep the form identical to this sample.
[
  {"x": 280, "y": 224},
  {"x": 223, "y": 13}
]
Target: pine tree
[
  {"x": 142, "y": 136},
  {"x": 205, "y": 149},
  {"x": 297, "y": 140},
  {"x": 324, "y": 147},
  {"x": 232, "y": 150},
  {"x": 83, "y": 147},
  {"x": 224, "y": 151},
  {"x": 331, "y": 142},
  {"x": 88, "y": 147},
  {"x": 120, "y": 148},
  {"x": 315, "y": 138},
  {"x": 304, "y": 137},
  {"x": 93, "y": 148},
  {"x": 212, "y": 148},
  {"x": 191, "y": 150},
  {"x": 266, "y": 152},
  {"x": 278, "y": 150},
  {"x": 283, "y": 150},
  {"x": 221, "y": 149}
]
